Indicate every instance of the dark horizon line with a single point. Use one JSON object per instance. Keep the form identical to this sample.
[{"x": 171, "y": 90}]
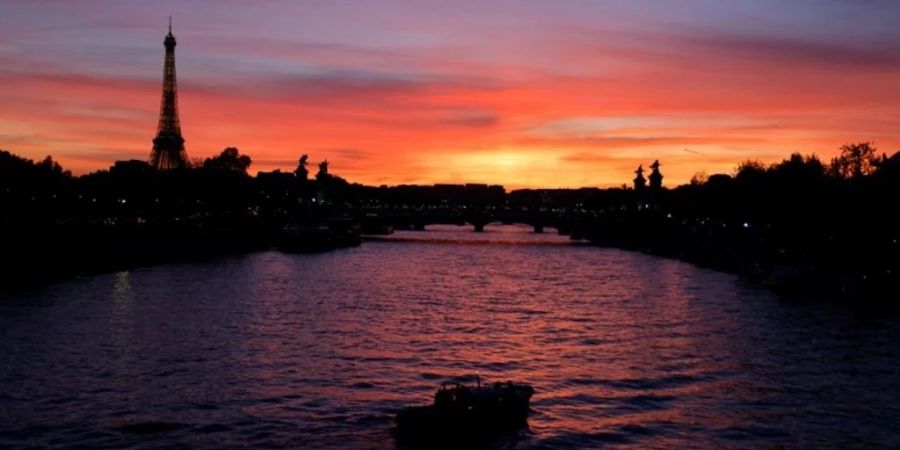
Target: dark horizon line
[{"x": 197, "y": 164}]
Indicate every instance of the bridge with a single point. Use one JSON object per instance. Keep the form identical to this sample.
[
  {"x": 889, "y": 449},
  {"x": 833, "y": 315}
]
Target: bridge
[
  {"x": 569, "y": 211},
  {"x": 417, "y": 218}
]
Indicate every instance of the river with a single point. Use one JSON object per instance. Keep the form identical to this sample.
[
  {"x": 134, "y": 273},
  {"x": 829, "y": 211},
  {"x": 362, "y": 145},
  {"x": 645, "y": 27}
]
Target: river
[{"x": 278, "y": 350}]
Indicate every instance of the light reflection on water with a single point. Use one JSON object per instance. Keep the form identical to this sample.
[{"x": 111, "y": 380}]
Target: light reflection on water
[{"x": 319, "y": 351}]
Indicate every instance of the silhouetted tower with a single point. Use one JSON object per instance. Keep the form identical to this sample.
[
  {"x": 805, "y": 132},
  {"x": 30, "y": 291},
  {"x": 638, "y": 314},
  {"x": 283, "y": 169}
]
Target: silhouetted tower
[
  {"x": 639, "y": 181},
  {"x": 168, "y": 145},
  {"x": 655, "y": 176}
]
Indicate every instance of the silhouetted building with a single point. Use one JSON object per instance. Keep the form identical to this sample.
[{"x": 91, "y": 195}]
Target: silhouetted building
[
  {"x": 655, "y": 177},
  {"x": 168, "y": 145},
  {"x": 131, "y": 168},
  {"x": 639, "y": 181}
]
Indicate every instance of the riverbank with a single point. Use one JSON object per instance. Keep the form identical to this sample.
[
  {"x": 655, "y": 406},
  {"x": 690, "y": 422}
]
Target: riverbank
[
  {"x": 40, "y": 254},
  {"x": 809, "y": 265}
]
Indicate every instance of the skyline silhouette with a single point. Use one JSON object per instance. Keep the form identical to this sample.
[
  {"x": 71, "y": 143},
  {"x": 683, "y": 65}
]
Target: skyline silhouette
[
  {"x": 290, "y": 209},
  {"x": 775, "y": 223},
  {"x": 565, "y": 110},
  {"x": 472, "y": 224}
]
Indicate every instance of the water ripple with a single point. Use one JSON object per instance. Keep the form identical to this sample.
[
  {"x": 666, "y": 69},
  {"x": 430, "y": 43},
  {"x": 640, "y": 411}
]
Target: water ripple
[{"x": 320, "y": 351}]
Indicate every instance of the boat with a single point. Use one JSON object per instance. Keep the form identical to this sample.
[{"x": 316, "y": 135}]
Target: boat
[
  {"x": 464, "y": 412},
  {"x": 311, "y": 239}
]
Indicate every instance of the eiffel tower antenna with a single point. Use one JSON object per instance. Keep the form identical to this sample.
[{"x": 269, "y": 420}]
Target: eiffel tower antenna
[{"x": 168, "y": 145}]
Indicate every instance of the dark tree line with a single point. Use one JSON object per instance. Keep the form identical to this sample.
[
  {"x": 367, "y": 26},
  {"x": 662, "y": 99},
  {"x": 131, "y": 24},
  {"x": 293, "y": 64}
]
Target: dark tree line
[{"x": 798, "y": 222}]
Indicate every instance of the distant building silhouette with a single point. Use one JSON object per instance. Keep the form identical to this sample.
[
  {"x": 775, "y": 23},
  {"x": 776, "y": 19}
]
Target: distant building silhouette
[
  {"x": 655, "y": 177},
  {"x": 168, "y": 145},
  {"x": 639, "y": 181}
]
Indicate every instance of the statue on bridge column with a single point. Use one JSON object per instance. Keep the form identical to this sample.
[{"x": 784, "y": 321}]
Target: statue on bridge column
[
  {"x": 639, "y": 181},
  {"x": 655, "y": 176},
  {"x": 323, "y": 170},
  {"x": 302, "y": 172}
]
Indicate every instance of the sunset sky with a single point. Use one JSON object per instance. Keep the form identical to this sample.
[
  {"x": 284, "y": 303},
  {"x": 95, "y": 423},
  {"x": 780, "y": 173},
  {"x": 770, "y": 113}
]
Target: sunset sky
[{"x": 521, "y": 93}]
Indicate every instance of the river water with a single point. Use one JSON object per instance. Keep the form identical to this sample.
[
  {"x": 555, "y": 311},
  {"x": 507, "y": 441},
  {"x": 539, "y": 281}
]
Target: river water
[{"x": 319, "y": 351}]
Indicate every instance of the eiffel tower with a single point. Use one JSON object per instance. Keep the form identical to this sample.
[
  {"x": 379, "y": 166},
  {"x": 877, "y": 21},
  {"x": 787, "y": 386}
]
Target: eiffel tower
[{"x": 168, "y": 145}]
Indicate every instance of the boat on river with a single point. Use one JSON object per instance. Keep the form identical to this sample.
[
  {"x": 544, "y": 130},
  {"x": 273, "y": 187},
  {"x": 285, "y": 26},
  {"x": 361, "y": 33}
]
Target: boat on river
[
  {"x": 463, "y": 412},
  {"x": 333, "y": 234}
]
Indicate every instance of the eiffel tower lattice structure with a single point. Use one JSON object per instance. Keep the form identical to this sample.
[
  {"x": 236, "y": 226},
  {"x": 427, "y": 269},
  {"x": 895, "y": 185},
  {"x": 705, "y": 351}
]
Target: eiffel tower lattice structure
[{"x": 168, "y": 145}]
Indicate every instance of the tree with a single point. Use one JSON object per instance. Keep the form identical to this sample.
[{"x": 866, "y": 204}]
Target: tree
[
  {"x": 52, "y": 167},
  {"x": 890, "y": 166},
  {"x": 856, "y": 160},
  {"x": 799, "y": 169},
  {"x": 749, "y": 170},
  {"x": 230, "y": 159},
  {"x": 699, "y": 178}
]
